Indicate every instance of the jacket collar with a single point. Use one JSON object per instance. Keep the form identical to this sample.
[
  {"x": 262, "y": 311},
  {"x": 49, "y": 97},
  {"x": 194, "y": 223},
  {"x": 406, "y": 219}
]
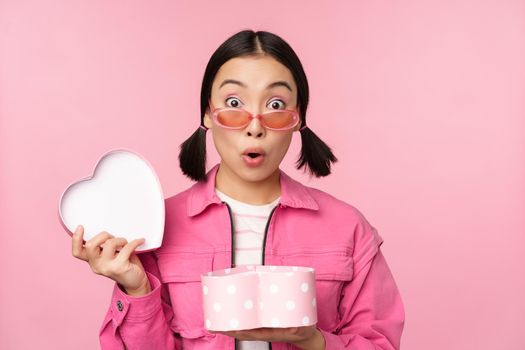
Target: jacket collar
[{"x": 293, "y": 193}]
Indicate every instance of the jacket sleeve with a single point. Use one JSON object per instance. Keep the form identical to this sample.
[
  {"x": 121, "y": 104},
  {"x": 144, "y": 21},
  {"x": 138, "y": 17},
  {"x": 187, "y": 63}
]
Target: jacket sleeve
[
  {"x": 140, "y": 322},
  {"x": 371, "y": 309}
]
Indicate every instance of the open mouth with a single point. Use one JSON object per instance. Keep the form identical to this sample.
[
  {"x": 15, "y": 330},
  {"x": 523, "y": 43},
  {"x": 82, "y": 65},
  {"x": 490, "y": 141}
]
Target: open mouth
[{"x": 253, "y": 155}]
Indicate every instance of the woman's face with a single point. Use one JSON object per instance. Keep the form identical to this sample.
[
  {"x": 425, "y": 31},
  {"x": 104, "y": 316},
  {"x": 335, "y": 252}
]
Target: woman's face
[{"x": 253, "y": 92}]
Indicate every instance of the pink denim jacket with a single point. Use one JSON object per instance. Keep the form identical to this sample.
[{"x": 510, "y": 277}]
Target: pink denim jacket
[{"x": 358, "y": 302}]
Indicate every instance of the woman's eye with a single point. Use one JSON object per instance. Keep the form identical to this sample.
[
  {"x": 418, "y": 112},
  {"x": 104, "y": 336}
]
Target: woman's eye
[
  {"x": 277, "y": 104},
  {"x": 235, "y": 102}
]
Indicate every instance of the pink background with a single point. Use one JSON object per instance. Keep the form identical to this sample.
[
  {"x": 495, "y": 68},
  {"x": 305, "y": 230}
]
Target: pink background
[{"x": 422, "y": 101}]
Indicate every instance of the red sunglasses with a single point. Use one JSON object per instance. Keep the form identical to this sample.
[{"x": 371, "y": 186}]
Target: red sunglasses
[{"x": 238, "y": 118}]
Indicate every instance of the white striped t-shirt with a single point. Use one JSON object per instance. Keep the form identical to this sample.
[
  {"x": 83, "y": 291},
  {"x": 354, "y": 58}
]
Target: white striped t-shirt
[{"x": 249, "y": 223}]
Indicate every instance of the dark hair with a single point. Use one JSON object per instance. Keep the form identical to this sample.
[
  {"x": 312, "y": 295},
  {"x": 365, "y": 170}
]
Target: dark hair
[{"x": 315, "y": 154}]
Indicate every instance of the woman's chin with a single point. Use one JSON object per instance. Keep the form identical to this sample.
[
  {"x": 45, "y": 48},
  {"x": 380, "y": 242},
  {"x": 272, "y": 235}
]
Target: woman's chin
[
  {"x": 255, "y": 174},
  {"x": 247, "y": 173}
]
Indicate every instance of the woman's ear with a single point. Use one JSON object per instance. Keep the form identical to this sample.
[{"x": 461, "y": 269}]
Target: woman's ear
[
  {"x": 298, "y": 126},
  {"x": 207, "y": 121}
]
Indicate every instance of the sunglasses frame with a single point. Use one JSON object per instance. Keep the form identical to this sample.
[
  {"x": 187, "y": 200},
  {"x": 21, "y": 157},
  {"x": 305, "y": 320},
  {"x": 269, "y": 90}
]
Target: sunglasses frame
[{"x": 215, "y": 112}]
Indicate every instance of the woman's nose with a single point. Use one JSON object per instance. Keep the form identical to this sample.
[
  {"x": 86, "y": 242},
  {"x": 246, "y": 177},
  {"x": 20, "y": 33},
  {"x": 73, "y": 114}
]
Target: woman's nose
[{"x": 255, "y": 128}]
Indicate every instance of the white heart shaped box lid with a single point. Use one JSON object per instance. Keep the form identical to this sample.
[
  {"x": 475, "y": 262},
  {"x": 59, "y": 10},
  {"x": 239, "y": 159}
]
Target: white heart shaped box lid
[{"x": 123, "y": 197}]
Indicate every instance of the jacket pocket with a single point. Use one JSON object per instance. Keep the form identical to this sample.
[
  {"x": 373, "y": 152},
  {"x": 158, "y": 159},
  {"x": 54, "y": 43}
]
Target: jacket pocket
[
  {"x": 333, "y": 268},
  {"x": 181, "y": 273}
]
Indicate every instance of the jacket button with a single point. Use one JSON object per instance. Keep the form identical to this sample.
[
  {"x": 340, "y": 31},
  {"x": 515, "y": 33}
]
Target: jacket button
[{"x": 120, "y": 306}]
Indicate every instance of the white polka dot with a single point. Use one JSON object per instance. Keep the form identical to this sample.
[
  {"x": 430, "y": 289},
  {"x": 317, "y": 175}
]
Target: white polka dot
[
  {"x": 290, "y": 305},
  {"x": 228, "y": 270},
  {"x": 205, "y": 290},
  {"x": 273, "y": 288},
  {"x": 231, "y": 289},
  {"x": 273, "y": 268},
  {"x": 208, "y": 324},
  {"x": 306, "y": 320},
  {"x": 295, "y": 268},
  {"x": 275, "y": 322},
  {"x": 234, "y": 323},
  {"x": 217, "y": 307},
  {"x": 314, "y": 303},
  {"x": 248, "y": 304},
  {"x": 304, "y": 287}
]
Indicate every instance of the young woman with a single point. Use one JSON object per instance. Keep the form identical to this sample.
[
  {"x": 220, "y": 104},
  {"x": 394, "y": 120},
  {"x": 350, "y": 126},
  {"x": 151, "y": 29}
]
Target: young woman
[{"x": 245, "y": 210}]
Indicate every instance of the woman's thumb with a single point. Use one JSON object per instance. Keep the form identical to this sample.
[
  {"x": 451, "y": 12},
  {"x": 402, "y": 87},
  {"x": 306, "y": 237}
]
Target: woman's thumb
[{"x": 138, "y": 242}]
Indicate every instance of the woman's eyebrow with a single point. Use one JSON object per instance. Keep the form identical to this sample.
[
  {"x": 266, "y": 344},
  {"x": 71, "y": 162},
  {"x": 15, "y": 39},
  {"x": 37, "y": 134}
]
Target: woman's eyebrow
[
  {"x": 232, "y": 81},
  {"x": 279, "y": 83},
  {"x": 272, "y": 85}
]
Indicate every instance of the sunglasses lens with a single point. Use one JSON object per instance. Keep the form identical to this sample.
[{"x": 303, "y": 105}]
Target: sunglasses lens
[
  {"x": 279, "y": 120},
  {"x": 233, "y": 118},
  {"x": 239, "y": 118}
]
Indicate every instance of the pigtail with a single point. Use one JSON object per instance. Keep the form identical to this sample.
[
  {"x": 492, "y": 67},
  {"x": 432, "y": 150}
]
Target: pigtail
[
  {"x": 192, "y": 155},
  {"x": 315, "y": 154}
]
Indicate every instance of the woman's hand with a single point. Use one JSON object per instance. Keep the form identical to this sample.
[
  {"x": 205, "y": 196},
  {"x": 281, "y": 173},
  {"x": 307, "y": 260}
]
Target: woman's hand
[
  {"x": 308, "y": 337},
  {"x": 123, "y": 267}
]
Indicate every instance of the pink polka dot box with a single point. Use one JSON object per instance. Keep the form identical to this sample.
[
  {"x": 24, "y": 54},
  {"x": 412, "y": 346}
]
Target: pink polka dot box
[{"x": 253, "y": 296}]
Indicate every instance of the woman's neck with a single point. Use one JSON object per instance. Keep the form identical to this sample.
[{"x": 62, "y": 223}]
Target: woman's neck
[{"x": 250, "y": 192}]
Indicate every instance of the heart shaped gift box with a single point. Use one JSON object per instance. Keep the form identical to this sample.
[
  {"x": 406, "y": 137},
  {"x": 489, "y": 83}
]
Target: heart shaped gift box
[
  {"x": 253, "y": 296},
  {"x": 123, "y": 197}
]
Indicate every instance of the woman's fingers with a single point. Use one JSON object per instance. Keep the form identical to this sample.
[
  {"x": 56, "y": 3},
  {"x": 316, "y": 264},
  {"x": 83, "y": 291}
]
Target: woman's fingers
[
  {"x": 78, "y": 244},
  {"x": 111, "y": 245},
  {"x": 129, "y": 248},
  {"x": 101, "y": 250},
  {"x": 93, "y": 245}
]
